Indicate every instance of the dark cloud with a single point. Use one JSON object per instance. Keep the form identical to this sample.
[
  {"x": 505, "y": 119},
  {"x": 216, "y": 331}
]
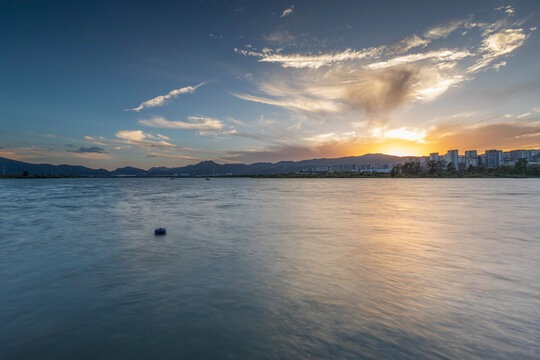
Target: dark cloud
[
  {"x": 151, "y": 156},
  {"x": 509, "y": 135},
  {"x": 380, "y": 92},
  {"x": 274, "y": 153},
  {"x": 91, "y": 149}
]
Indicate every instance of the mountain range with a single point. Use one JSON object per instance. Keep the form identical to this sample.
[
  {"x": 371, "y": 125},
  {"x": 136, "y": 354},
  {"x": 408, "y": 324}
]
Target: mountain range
[{"x": 204, "y": 168}]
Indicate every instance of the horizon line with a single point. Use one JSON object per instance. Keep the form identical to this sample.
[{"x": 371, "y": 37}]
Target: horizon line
[{"x": 276, "y": 162}]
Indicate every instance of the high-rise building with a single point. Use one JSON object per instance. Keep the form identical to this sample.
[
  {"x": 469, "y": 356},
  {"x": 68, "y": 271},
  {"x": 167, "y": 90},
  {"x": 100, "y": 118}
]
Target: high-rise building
[
  {"x": 493, "y": 158},
  {"x": 434, "y": 157},
  {"x": 452, "y": 157},
  {"x": 471, "y": 158}
]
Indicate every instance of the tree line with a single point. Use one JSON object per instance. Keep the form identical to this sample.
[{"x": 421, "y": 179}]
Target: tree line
[{"x": 439, "y": 169}]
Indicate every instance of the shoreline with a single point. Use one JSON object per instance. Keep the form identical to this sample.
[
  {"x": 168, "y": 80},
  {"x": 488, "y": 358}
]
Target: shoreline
[{"x": 285, "y": 176}]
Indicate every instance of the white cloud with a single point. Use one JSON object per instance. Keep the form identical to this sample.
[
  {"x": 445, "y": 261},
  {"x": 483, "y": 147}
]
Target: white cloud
[
  {"x": 162, "y": 99},
  {"x": 507, "y": 9},
  {"x": 287, "y": 11},
  {"x": 97, "y": 141},
  {"x": 143, "y": 139},
  {"x": 500, "y": 43},
  {"x": 299, "y": 103},
  {"x": 195, "y": 123},
  {"x": 407, "y": 43},
  {"x": 443, "y": 30},
  {"x": 438, "y": 55},
  {"x": 523, "y": 115},
  {"x": 311, "y": 61}
]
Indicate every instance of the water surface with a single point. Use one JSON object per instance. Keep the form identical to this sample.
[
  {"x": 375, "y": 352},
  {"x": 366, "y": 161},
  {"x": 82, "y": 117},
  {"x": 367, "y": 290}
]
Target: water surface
[{"x": 270, "y": 268}]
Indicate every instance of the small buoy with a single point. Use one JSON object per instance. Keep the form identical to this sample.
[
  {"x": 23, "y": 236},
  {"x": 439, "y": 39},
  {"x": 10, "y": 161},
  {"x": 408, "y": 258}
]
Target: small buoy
[{"x": 160, "y": 231}]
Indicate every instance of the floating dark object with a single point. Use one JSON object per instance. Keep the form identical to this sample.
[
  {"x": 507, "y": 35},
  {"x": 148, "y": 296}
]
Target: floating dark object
[
  {"x": 160, "y": 231},
  {"x": 207, "y": 179}
]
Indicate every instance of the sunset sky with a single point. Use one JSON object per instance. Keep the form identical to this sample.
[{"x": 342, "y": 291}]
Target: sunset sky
[{"x": 109, "y": 84}]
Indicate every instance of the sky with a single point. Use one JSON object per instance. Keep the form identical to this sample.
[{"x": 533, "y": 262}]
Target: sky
[{"x": 116, "y": 83}]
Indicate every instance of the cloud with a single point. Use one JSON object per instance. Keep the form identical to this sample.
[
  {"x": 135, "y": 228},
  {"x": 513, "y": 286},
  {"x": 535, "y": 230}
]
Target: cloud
[
  {"x": 407, "y": 43},
  {"x": 376, "y": 92},
  {"x": 162, "y": 99},
  {"x": 445, "y": 29},
  {"x": 310, "y": 61},
  {"x": 97, "y": 141},
  {"x": 287, "y": 11},
  {"x": 296, "y": 103},
  {"x": 370, "y": 84},
  {"x": 506, "y": 9},
  {"x": 144, "y": 139},
  {"x": 92, "y": 149},
  {"x": 195, "y": 123},
  {"x": 438, "y": 55},
  {"x": 505, "y": 136},
  {"x": 501, "y": 43},
  {"x": 521, "y": 116}
]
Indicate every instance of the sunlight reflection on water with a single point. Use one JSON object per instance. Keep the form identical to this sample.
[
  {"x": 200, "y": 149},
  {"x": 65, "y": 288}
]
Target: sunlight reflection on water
[{"x": 270, "y": 268}]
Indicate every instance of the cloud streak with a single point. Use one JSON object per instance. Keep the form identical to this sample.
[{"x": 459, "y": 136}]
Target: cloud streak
[
  {"x": 287, "y": 11},
  {"x": 162, "y": 99},
  {"x": 194, "y": 123}
]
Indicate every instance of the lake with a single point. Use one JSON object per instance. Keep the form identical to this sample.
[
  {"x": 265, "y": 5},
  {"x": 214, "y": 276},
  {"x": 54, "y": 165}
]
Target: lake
[{"x": 270, "y": 268}]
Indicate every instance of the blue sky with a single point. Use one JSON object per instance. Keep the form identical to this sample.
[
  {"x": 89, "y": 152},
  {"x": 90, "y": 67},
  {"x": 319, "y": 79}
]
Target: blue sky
[{"x": 108, "y": 84}]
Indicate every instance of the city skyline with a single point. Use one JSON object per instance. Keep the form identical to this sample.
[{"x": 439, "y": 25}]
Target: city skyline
[{"x": 108, "y": 85}]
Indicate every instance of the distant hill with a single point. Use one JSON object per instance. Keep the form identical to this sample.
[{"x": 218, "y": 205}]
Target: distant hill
[
  {"x": 13, "y": 167},
  {"x": 204, "y": 168}
]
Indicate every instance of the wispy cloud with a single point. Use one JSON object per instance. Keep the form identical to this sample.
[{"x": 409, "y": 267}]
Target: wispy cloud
[
  {"x": 501, "y": 43},
  {"x": 297, "y": 103},
  {"x": 288, "y": 11},
  {"x": 438, "y": 55},
  {"x": 143, "y": 139},
  {"x": 194, "y": 123},
  {"x": 378, "y": 80},
  {"x": 97, "y": 141},
  {"x": 310, "y": 61},
  {"x": 162, "y": 99},
  {"x": 445, "y": 29},
  {"x": 508, "y": 9}
]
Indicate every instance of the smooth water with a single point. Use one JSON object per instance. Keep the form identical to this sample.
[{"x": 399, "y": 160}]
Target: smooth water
[{"x": 270, "y": 268}]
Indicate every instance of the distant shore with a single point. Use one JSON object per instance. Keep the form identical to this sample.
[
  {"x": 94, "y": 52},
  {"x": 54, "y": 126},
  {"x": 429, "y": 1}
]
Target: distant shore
[{"x": 290, "y": 176}]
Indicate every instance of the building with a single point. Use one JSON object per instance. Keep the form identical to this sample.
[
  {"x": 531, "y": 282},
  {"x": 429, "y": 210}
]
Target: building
[
  {"x": 434, "y": 157},
  {"x": 512, "y": 157},
  {"x": 493, "y": 158},
  {"x": 471, "y": 158},
  {"x": 452, "y": 157}
]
